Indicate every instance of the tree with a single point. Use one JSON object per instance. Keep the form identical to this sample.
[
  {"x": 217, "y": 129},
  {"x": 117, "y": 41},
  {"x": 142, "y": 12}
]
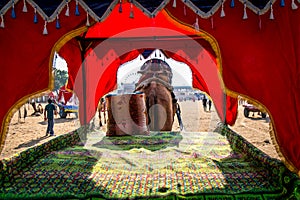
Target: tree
[{"x": 60, "y": 78}]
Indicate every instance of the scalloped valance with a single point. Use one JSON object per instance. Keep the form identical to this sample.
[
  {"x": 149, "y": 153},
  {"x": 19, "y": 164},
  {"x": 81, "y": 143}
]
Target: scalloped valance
[{"x": 50, "y": 12}]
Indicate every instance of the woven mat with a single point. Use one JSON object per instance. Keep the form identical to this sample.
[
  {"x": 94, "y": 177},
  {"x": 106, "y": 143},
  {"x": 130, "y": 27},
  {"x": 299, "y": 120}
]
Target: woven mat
[{"x": 171, "y": 164}]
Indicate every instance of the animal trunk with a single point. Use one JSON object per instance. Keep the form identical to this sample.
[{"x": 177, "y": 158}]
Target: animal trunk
[
  {"x": 159, "y": 107},
  {"x": 153, "y": 113}
]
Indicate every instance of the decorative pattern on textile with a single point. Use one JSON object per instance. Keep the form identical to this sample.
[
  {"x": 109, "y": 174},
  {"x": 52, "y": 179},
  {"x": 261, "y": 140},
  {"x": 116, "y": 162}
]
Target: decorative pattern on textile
[
  {"x": 202, "y": 9},
  {"x": 43, "y": 8},
  {"x": 262, "y": 7},
  {"x": 202, "y": 165},
  {"x": 11, "y": 166}
]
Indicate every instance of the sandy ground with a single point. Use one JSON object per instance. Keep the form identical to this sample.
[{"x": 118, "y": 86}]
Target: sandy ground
[{"x": 25, "y": 134}]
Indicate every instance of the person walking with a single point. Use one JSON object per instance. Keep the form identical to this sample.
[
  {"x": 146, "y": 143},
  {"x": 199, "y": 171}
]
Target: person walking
[
  {"x": 209, "y": 105},
  {"x": 102, "y": 108},
  {"x": 50, "y": 111},
  {"x": 204, "y": 102}
]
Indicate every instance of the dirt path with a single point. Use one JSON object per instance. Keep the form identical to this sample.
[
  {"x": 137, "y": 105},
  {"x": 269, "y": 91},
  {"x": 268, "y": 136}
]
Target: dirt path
[{"x": 22, "y": 135}]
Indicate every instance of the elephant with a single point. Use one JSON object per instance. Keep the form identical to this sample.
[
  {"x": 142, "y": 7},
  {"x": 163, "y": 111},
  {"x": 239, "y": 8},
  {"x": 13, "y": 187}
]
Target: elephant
[{"x": 161, "y": 104}]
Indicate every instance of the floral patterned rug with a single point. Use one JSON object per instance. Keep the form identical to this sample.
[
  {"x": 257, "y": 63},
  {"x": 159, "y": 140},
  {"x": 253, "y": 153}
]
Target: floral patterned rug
[{"x": 168, "y": 165}]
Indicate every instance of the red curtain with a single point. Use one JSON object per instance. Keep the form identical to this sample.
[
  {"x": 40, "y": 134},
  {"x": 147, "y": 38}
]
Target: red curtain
[
  {"x": 25, "y": 57},
  {"x": 222, "y": 102},
  {"x": 260, "y": 60},
  {"x": 72, "y": 54},
  {"x": 64, "y": 94},
  {"x": 96, "y": 77}
]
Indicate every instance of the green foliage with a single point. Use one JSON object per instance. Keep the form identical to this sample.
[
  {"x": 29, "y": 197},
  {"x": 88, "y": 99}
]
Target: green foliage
[{"x": 61, "y": 78}]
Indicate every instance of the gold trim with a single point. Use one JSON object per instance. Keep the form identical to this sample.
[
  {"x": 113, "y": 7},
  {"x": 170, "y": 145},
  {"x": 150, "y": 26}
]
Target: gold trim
[
  {"x": 57, "y": 46},
  {"x": 205, "y": 35},
  {"x": 9, "y": 115},
  {"x": 272, "y": 131},
  {"x": 60, "y": 43}
]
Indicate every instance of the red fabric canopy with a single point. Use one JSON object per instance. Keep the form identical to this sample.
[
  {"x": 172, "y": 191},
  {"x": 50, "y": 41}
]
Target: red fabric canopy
[
  {"x": 143, "y": 32},
  {"x": 64, "y": 95},
  {"x": 260, "y": 60},
  {"x": 256, "y": 57}
]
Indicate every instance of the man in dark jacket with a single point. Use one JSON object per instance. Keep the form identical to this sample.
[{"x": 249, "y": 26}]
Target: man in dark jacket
[{"x": 50, "y": 110}]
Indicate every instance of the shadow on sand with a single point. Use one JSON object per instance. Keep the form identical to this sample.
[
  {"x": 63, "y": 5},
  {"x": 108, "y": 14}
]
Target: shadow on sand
[
  {"x": 31, "y": 142},
  {"x": 59, "y": 121}
]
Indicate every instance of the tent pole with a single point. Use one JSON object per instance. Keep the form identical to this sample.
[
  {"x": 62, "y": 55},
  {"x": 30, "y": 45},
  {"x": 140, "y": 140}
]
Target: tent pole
[
  {"x": 85, "y": 127},
  {"x": 84, "y": 46}
]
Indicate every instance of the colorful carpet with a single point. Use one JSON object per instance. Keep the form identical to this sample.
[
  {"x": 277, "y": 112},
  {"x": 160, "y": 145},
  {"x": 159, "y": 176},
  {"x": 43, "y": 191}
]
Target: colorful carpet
[{"x": 169, "y": 165}]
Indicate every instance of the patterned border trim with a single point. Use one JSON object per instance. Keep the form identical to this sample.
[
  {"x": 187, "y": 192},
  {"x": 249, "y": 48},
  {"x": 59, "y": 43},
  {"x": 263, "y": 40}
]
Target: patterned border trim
[
  {"x": 93, "y": 15},
  {"x": 155, "y": 12},
  {"x": 43, "y": 15},
  {"x": 242, "y": 145},
  {"x": 9, "y": 167},
  {"x": 200, "y": 12},
  {"x": 188, "y": 3},
  {"x": 256, "y": 9},
  {"x": 219, "y": 4},
  {"x": 288, "y": 179},
  {"x": 59, "y": 9}
]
